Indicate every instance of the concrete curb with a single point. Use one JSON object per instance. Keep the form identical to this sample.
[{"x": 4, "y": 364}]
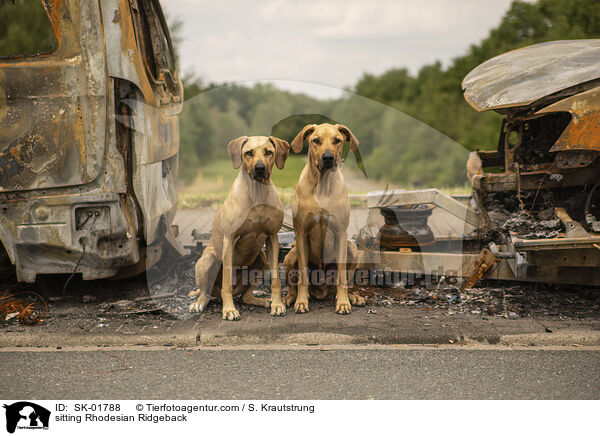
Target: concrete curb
[
  {"x": 191, "y": 338},
  {"x": 321, "y": 338},
  {"x": 32, "y": 339},
  {"x": 563, "y": 338}
]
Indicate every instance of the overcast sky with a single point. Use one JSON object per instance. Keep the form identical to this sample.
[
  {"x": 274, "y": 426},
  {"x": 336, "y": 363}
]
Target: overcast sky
[{"x": 327, "y": 42}]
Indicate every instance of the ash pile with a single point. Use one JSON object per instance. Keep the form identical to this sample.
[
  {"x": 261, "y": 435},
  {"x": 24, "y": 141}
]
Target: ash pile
[
  {"x": 532, "y": 215},
  {"x": 492, "y": 299}
]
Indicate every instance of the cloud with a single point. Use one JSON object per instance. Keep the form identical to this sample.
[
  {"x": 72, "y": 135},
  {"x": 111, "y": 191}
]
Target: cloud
[{"x": 330, "y": 42}]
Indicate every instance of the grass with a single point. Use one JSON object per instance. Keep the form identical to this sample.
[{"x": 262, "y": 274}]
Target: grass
[
  {"x": 288, "y": 176},
  {"x": 214, "y": 179}
]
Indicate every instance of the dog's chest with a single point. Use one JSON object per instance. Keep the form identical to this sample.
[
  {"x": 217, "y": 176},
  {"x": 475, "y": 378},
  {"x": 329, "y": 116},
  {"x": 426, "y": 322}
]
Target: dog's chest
[
  {"x": 324, "y": 212},
  {"x": 262, "y": 220}
]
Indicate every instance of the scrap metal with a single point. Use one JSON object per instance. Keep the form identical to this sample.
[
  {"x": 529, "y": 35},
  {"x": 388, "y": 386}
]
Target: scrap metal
[
  {"x": 535, "y": 207},
  {"x": 89, "y": 142}
]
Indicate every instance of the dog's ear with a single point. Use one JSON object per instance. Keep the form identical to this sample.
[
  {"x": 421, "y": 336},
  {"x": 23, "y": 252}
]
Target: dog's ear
[
  {"x": 349, "y": 136},
  {"x": 234, "y": 149},
  {"x": 282, "y": 150},
  {"x": 298, "y": 141}
]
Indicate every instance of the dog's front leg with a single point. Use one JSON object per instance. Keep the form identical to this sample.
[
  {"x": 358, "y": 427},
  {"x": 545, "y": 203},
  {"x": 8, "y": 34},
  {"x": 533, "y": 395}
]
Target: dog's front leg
[
  {"x": 301, "y": 304},
  {"x": 206, "y": 269},
  {"x": 229, "y": 311},
  {"x": 277, "y": 306},
  {"x": 342, "y": 303}
]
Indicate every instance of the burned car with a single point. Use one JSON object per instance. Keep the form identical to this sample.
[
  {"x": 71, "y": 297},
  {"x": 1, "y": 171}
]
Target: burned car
[
  {"x": 534, "y": 212},
  {"x": 89, "y": 141},
  {"x": 543, "y": 199}
]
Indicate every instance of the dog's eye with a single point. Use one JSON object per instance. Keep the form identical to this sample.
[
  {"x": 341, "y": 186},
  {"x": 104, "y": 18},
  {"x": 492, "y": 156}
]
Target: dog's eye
[
  {"x": 249, "y": 153},
  {"x": 336, "y": 140},
  {"x": 316, "y": 141},
  {"x": 268, "y": 152}
]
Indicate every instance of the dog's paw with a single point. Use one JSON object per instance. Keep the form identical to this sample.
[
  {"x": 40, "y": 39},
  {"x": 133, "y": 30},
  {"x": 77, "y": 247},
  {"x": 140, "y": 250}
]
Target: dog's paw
[
  {"x": 343, "y": 307},
  {"x": 288, "y": 300},
  {"x": 301, "y": 306},
  {"x": 198, "y": 306},
  {"x": 277, "y": 309},
  {"x": 194, "y": 293},
  {"x": 231, "y": 314},
  {"x": 356, "y": 300}
]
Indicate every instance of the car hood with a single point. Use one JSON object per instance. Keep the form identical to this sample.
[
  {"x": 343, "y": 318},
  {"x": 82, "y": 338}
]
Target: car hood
[{"x": 521, "y": 77}]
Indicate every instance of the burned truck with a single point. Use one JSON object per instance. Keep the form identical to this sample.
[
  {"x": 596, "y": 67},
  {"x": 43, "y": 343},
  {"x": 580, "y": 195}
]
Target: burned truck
[
  {"x": 89, "y": 141},
  {"x": 534, "y": 211}
]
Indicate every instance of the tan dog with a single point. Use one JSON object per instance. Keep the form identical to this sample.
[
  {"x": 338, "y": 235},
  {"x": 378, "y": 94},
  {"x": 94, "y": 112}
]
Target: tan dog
[
  {"x": 251, "y": 215},
  {"x": 321, "y": 212}
]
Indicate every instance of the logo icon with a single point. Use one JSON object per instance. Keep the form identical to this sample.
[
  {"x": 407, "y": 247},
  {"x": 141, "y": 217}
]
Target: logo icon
[{"x": 26, "y": 415}]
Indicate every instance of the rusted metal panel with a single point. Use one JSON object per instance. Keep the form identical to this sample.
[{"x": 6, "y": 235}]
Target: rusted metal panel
[
  {"x": 536, "y": 180},
  {"x": 120, "y": 38},
  {"x": 521, "y": 77},
  {"x": 56, "y": 245},
  {"x": 579, "y": 267},
  {"x": 152, "y": 108},
  {"x": 53, "y": 107},
  {"x": 563, "y": 243},
  {"x": 583, "y": 132},
  {"x": 83, "y": 185}
]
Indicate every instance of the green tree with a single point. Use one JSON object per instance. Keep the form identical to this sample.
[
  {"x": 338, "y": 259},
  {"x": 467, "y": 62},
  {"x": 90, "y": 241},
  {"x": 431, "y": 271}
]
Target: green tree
[
  {"x": 25, "y": 28},
  {"x": 196, "y": 133}
]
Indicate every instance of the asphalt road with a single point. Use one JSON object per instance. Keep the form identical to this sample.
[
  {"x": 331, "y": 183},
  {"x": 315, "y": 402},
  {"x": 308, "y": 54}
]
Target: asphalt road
[{"x": 358, "y": 373}]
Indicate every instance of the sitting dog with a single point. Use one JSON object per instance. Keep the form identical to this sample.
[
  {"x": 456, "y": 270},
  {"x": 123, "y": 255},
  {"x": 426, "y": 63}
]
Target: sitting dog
[
  {"x": 321, "y": 212},
  {"x": 251, "y": 215}
]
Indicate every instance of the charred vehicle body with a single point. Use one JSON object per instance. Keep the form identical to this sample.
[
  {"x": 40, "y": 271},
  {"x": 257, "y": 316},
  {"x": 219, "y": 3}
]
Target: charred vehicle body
[
  {"x": 534, "y": 212},
  {"x": 89, "y": 142}
]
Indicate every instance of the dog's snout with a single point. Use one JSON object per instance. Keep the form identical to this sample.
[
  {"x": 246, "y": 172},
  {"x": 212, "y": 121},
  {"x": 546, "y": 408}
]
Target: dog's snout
[
  {"x": 327, "y": 160},
  {"x": 260, "y": 169}
]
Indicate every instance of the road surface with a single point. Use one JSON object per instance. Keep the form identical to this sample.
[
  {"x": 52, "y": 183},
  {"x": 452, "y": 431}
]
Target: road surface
[{"x": 382, "y": 372}]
